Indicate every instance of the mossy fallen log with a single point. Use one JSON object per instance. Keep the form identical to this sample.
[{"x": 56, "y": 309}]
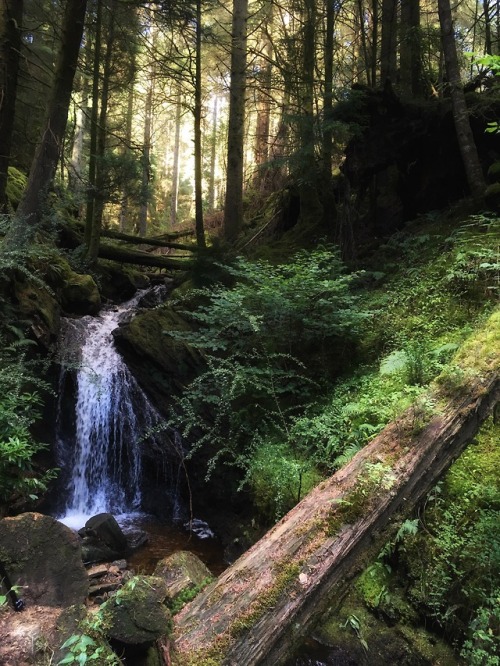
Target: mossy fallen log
[
  {"x": 138, "y": 258},
  {"x": 260, "y": 608},
  {"x": 161, "y": 241}
]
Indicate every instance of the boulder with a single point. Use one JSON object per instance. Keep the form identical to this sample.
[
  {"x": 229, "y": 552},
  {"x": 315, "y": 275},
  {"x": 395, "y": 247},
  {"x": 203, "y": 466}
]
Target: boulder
[
  {"x": 182, "y": 571},
  {"x": 36, "y": 304},
  {"x": 80, "y": 295},
  {"x": 102, "y": 539},
  {"x": 136, "y": 615},
  {"x": 162, "y": 364},
  {"x": 44, "y": 558}
]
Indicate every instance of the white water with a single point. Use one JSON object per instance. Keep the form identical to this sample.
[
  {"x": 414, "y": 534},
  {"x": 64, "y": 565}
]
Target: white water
[{"x": 102, "y": 459}]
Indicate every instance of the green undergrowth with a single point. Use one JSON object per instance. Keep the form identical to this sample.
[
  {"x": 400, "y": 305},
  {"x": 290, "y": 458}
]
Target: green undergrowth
[{"x": 434, "y": 292}]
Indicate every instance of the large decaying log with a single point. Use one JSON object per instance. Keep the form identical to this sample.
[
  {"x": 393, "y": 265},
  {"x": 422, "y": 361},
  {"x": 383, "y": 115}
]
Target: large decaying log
[
  {"x": 166, "y": 241},
  {"x": 257, "y": 611},
  {"x": 139, "y": 258}
]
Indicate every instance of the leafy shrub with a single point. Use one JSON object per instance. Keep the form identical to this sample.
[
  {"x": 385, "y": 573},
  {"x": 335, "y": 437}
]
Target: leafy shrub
[
  {"x": 251, "y": 335},
  {"x": 19, "y": 480},
  {"x": 279, "y": 479},
  {"x": 359, "y": 408}
]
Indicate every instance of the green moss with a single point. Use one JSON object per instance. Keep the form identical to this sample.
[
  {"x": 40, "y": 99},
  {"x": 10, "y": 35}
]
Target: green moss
[
  {"x": 373, "y": 584},
  {"x": 16, "y": 184},
  {"x": 287, "y": 572},
  {"x": 356, "y": 503}
]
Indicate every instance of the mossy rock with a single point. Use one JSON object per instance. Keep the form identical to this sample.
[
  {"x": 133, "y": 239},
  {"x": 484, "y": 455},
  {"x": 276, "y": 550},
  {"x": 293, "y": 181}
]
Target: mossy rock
[
  {"x": 16, "y": 184},
  {"x": 136, "y": 614},
  {"x": 368, "y": 640},
  {"x": 77, "y": 293},
  {"x": 119, "y": 283},
  {"x": 39, "y": 306},
  {"x": 162, "y": 365},
  {"x": 44, "y": 558},
  {"x": 80, "y": 295},
  {"x": 184, "y": 573}
]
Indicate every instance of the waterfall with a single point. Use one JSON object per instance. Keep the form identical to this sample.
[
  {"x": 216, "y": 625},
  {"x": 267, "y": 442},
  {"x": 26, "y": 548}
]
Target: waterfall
[{"x": 100, "y": 446}]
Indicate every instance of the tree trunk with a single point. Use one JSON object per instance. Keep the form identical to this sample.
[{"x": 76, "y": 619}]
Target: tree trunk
[
  {"x": 198, "y": 166},
  {"x": 46, "y": 158},
  {"x": 388, "y": 46},
  {"x": 11, "y": 17},
  {"x": 327, "y": 196},
  {"x": 260, "y": 608},
  {"x": 468, "y": 150},
  {"x": 261, "y": 150},
  {"x": 94, "y": 116},
  {"x": 146, "y": 156},
  {"x": 77, "y": 163},
  {"x": 174, "y": 201},
  {"x": 233, "y": 206},
  {"x": 124, "y": 204},
  {"x": 410, "y": 49},
  {"x": 95, "y": 235},
  {"x": 310, "y": 205},
  {"x": 213, "y": 157}
]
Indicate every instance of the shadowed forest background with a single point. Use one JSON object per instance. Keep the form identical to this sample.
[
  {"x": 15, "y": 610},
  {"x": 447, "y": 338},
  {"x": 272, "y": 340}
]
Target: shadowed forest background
[{"x": 309, "y": 191}]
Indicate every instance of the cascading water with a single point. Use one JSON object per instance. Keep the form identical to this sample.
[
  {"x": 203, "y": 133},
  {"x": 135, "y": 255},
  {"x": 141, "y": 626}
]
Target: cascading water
[{"x": 100, "y": 448}]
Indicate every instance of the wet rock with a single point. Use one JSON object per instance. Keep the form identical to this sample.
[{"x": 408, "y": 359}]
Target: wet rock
[
  {"x": 36, "y": 304},
  {"x": 161, "y": 364},
  {"x": 80, "y": 295},
  {"x": 102, "y": 539},
  {"x": 136, "y": 615},
  {"x": 182, "y": 571},
  {"x": 44, "y": 558}
]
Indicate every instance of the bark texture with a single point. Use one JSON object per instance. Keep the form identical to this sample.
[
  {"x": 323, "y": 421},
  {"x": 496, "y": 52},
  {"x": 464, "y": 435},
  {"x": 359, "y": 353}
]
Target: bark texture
[{"x": 264, "y": 604}]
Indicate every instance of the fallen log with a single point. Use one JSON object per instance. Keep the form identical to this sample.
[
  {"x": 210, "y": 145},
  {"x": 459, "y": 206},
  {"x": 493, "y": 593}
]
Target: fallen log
[
  {"x": 154, "y": 242},
  {"x": 136, "y": 257},
  {"x": 260, "y": 608}
]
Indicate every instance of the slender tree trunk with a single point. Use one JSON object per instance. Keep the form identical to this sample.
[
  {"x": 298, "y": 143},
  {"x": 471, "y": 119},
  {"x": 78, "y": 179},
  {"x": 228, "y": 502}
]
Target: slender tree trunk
[
  {"x": 468, "y": 149},
  {"x": 410, "y": 49},
  {"x": 310, "y": 205},
  {"x": 94, "y": 117},
  {"x": 174, "y": 201},
  {"x": 198, "y": 167},
  {"x": 388, "y": 47},
  {"x": 328, "y": 91},
  {"x": 124, "y": 204},
  {"x": 374, "y": 42},
  {"x": 146, "y": 153},
  {"x": 487, "y": 28},
  {"x": 327, "y": 197},
  {"x": 11, "y": 17},
  {"x": 364, "y": 42},
  {"x": 213, "y": 157},
  {"x": 261, "y": 150},
  {"x": 46, "y": 158},
  {"x": 95, "y": 235},
  {"x": 77, "y": 164},
  {"x": 233, "y": 207}
]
